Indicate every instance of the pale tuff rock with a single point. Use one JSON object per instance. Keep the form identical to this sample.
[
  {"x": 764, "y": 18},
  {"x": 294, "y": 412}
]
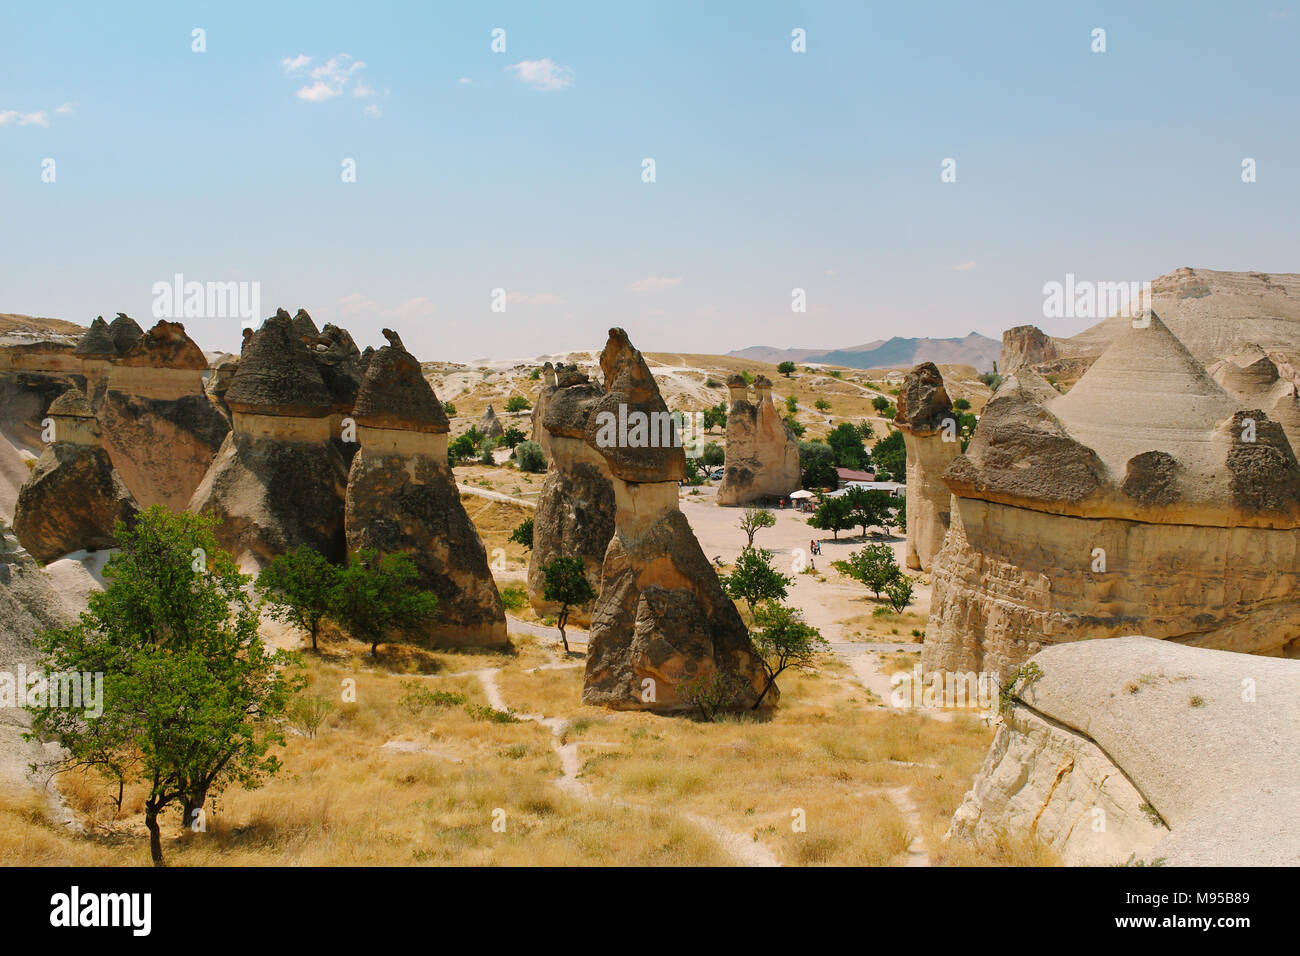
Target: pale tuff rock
[
  {"x": 1025, "y": 345},
  {"x": 489, "y": 425},
  {"x": 930, "y": 433},
  {"x": 549, "y": 384},
  {"x": 1255, "y": 379},
  {"x": 160, "y": 428},
  {"x": 402, "y": 497},
  {"x": 576, "y": 512},
  {"x": 73, "y": 498},
  {"x": 1135, "y": 749},
  {"x": 1137, "y": 502},
  {"x": 762, "y": 456},
  {"x": 661, "y": 617},
  {"x": 277, "y": 481}
]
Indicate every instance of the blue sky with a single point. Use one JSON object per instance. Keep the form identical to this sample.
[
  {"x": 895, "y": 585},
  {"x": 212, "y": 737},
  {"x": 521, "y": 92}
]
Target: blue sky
[{"x": 774, "y": 169}]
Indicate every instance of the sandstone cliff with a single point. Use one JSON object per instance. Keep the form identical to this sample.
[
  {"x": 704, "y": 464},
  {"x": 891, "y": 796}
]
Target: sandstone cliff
[
  {"x": 1135, "y": 749},
  {"x": 661, "y": 618},
  {"x": 1144, "y": 500}
]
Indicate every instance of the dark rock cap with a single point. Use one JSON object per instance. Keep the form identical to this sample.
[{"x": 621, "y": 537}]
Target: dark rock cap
[
  {"x": 303, "y": 325},
  {"x": 276, "y": 374},
  {"x": 72, "y": 404},
  {"x": 165, "y": 346},
  {"x": 631, "y": 394},
  {"x": 395, "y": 393},
  {"x": 97, "y": 342},
  {"x": 125, "y": 331},
  {"x": 923, "y": 403},
  {"x": 338, "y": 360}
]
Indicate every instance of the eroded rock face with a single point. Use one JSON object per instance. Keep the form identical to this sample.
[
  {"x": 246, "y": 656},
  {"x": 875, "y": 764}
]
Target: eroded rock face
[
  {"x": 277, "y": 481},
  {"x": 1143, "y": 501},
  {"x": 575, "y": 513},
  {"x": 540, "y": 434},
  {"x": 1026, "y": 345},
  {"x": 762, "y": 455},
  {"x": 661, "y": 618},
  {"x": 402, "y": 497},
  {"x": 1160, "y": 739},
  {"x": 930, "y": 433},
  {"x": 73, "y": 498}
]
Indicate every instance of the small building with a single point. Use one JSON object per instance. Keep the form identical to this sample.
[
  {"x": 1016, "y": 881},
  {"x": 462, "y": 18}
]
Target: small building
[
  {"x": 894, "y": 488},
  {"x": 848, "y": 475}
]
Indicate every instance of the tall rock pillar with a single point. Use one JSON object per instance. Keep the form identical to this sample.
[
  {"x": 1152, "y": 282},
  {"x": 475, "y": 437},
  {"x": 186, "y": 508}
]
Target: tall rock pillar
[{"x": 931, "y": 436}]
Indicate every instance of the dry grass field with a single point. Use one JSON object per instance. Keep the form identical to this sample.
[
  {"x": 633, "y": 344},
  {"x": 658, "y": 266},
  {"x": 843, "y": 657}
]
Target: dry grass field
[{"x": 417, "y": 769}]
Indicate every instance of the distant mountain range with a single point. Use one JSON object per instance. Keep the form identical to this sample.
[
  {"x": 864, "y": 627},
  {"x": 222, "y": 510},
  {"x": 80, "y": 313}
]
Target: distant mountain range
[{"x": 975, "y": 349}]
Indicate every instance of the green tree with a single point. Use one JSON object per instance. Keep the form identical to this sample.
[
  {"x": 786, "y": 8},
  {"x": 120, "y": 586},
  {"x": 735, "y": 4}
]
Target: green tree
[
  {"x": 717, "y": 415},
  {"x": 891, "y": 454},
  {"x": 512, "y": 437},
  {"x": 898, "y": 592},
  {"x": 822, "y": 405},
  {"x": 485, "y": 455},
  {"x": 753, "y": 520},
  {"x": 962, "y": 405},
  {"x": 817, "y": 464},
  {"x": 866, "y": 430},
  {"x": 869, "y": 507},
  {"x": 796, "y": 428},
  {"x": 783, "y": 639},
  {"x": 713, "y": 454},
  {"x": 900, "y": 513},
  {"x": 517, "y": 403},
  {"x": 190, "y": 691},
  {"x": 567, "y": 586},
  {"x": 449, "y": 409},
  {"x": 791, "y": 405},
  {"x": 530, "y": 457},
  {"x": 786, "y": 368},
  {"x": 833, "y": 515},
  {"x": 754, "y": 580},
  {"x": 875, "y": 566},
  {"x": 846, "y": 442},
  {"x": 300, "y": 588},
  {"x": 380, "y": 597},
  {"x": 535, "y": 374},
  {"x": 880, "y": 403},
  {"x": 523, "y": 534}
]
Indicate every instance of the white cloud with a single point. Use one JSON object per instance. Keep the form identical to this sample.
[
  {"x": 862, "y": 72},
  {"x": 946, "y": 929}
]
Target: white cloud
[
  {"x": 330, "y": 79},
  {"x": 545, "y": 75},
  {"x": 412, "y": 309},
  {"x": 534, "y": 298},
  {"x": 39, "y": 118},
  {"x": 356, "y": 305},
  {"x": 965, "y": 266},
  {"x": 373, "y": 111},
  {"x": 655, "y": 283},
  {"x": 65, "y": 108},
  {"x": 465, "y": 81}
]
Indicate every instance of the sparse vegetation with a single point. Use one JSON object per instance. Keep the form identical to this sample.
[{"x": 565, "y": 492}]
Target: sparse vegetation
[
  {"x": 753, "y": 521},
  {"x": 530, "y": 457}
]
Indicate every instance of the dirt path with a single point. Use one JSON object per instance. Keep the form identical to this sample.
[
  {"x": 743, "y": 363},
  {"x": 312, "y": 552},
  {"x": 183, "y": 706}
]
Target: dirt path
[
  {"x": 745, "y": 851},
  {"x": 494, "y": 495}
]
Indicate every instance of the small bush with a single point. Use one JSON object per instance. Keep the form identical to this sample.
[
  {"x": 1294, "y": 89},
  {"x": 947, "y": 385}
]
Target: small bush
[
  {"x": 419, "y": 698},
  {"x": 530, "y": 457},
  {"x": 484, "y": 712},
  {"x": 517, "y": 403},
  {"x": 307, "y": 713},
  {"x": 514, "y": 598}
]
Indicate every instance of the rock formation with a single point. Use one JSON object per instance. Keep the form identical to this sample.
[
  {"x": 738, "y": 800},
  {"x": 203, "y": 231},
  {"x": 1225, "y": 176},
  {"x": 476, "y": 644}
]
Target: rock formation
[
  {"x": 96, "y": 349},
  {"x": 277, "y": 481},
  {"x": 160, "y": 428},
  {"x": 402, "y": 497},
  {"x": 575, "y": 513},
  {"x": 1183, "y": 754},
  {"x": 762, "y": 456},
  {"x": 1146, "y": 500},
  {"x": 540, "y": 434},
  {"x": 339, "y": 362},
  {"x": 1254, "y": 378},
  {"x": 1025, "y": 345},
  {"x": 73, "y": 498},
  {"x": 661, "y": 618},
  {"x": 125, "y": 332},
  {"x": 932, "y": 438},
  {"x": 489, "y": 426}
]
